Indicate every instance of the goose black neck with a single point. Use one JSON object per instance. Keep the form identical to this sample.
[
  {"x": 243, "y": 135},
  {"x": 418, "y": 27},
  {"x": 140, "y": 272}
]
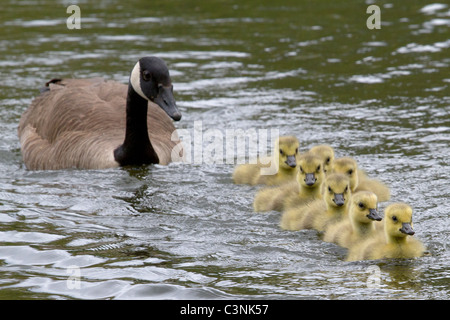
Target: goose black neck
[{"x": 136, "y": 148}]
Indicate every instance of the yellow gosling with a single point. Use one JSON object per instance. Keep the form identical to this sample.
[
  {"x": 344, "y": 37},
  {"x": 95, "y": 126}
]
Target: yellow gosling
[
  {"x": 348, "y": 167},
  {"x": 397, "y": 240},
  {"x": 310, "y": 177},
  {"x": 286, "y": 149},
  {"x": 325, "y": 152},
  {"x": 360, "y": 225},
  {"x": 318, "y": 214},
  {"x": 359, "y": 180},
  {"x": 306, "y": 187}
]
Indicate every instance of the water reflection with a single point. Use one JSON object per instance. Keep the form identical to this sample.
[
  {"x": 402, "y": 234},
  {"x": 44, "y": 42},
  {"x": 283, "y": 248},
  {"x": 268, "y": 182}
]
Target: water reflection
[{"x": 185, "y": 231}]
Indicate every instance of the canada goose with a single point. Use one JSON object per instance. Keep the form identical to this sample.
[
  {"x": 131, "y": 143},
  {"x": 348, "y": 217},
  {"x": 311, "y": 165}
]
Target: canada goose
[
  {"x": 305, "y": 188},
  {"x": 318, "y": 214},
  {"x": 394, "y": 242},
  {"x": 362, "y": 213},
  {"x": 95, "y": 124},
  {"x": 325, "y": 152},
  {"x": 359, "y": 181},
  {"x": 285, "y": 155}
]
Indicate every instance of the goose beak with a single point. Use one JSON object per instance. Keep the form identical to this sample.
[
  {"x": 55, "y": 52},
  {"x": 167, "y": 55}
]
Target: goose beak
[
  {"x": 373, "y": 215},
  {"x": 407, "y": 228},
  {"x": 291, "y": 162},
  {"x": 166, "y": 101},
  {"x": 339, "y": 199},
  {"x": 310, "y": 179}
]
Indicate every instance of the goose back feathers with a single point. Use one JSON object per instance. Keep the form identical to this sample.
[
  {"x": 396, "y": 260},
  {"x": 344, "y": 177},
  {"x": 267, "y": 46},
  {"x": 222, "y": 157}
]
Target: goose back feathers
[{"x": 85, "y": 123}]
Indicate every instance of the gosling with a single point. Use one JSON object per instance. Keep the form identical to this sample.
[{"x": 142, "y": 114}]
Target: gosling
[
  {"x": 396, "y": 242},
  {"x": 361, "y": 223},
  {"x": 285, "y": 156},
  {"x": 318, "y": 214},
  {"x": 306, "y": 188},
  {"x": 326, "y": 153},
  {"x": 359, "y": 181}
]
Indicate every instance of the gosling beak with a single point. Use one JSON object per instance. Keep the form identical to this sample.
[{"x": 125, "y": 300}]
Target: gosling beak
[
  {"x": 373, "y": 215},
  {"x": 291, "y": 162},
  {"x": 166, "y": 101},
  {"x": 407, "y": 228},
  {"x": 310, "y": 179},
  {"x": 339, "y": 199}
]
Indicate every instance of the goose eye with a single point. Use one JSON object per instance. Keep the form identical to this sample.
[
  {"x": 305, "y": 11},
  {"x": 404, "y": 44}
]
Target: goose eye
[
  {"x": 328, "y": 160},
  {"x": 346, "y": 189},
  {"x": 361, "y": 205},
  {"x": 296, "y": 151},
  {"x": 318, "y": 168},
  {"x": 329, "y": 189},
  {"x": 301, "y": 169},
  {"x": 350, "y": 172},
  {"x": 281, "y": 152},
  {"x": 394, "y": 218},
  {"x": 146, "y": 75}
]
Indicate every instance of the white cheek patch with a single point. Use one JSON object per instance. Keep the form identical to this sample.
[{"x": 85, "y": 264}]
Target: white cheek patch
[{"x": 135, "y": 80}]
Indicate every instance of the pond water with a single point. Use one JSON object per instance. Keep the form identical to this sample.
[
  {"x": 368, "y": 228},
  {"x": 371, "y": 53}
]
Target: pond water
[{"x": 312, "y": 69}]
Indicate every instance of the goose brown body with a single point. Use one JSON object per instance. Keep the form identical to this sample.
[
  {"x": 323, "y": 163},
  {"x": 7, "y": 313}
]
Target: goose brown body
[{"x": 79, "y": 123}]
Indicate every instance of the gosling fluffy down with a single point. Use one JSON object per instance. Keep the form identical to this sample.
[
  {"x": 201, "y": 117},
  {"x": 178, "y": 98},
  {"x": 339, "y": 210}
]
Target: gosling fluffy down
[
  {"x": 280, "y": 168},
  {"x": 394, "y": 241},
  {"x": 318, "y": 214},
  {"x": 306, "y": 187},
  {"x": 326, "y": 153},
  {"x": 359, "y": 181},
  {"x": 360, "y": 224}
]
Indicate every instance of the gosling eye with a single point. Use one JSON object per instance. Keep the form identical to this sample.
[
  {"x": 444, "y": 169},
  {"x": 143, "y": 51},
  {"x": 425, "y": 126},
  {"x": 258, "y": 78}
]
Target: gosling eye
[
  {"x": 328, "y": 160},
  {"x": 361, "y": 205},
  {"x": 301, "y": 169},
  {"x": 329, "y": 189},
  {"x": 296, "y": 151},
  {"x": 318, "y": 168},
  {"x": 281, "y": 152},
  {"x": 350, "y": 172},
  {"x": 346, "y": 189},
  {"x": 146, "y": 75},
  {"x": 394, "y": 218}
]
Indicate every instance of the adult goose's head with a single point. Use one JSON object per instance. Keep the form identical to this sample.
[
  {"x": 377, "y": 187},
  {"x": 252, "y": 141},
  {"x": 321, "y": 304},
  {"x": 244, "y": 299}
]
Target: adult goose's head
[{"x": 151, "y": 80}]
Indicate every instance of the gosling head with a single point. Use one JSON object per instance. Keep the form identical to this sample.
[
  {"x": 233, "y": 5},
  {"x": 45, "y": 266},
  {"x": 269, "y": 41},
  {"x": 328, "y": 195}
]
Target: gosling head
[
  {"x": 326, "y": 153},
  {"x": 349, "y": 167},
  {"x": 151, "y": 80},
  {"x": 364, "y": 207},
  {"x": 310, "y": 172},
  {"x": 287, "y": 147},
  {"x": 337, "y": 190},
  {"x": 398, "y": 220}
]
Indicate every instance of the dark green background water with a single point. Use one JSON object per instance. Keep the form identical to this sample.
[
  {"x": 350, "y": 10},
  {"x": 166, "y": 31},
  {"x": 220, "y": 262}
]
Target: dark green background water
[{"x": 308, "y": 68}]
